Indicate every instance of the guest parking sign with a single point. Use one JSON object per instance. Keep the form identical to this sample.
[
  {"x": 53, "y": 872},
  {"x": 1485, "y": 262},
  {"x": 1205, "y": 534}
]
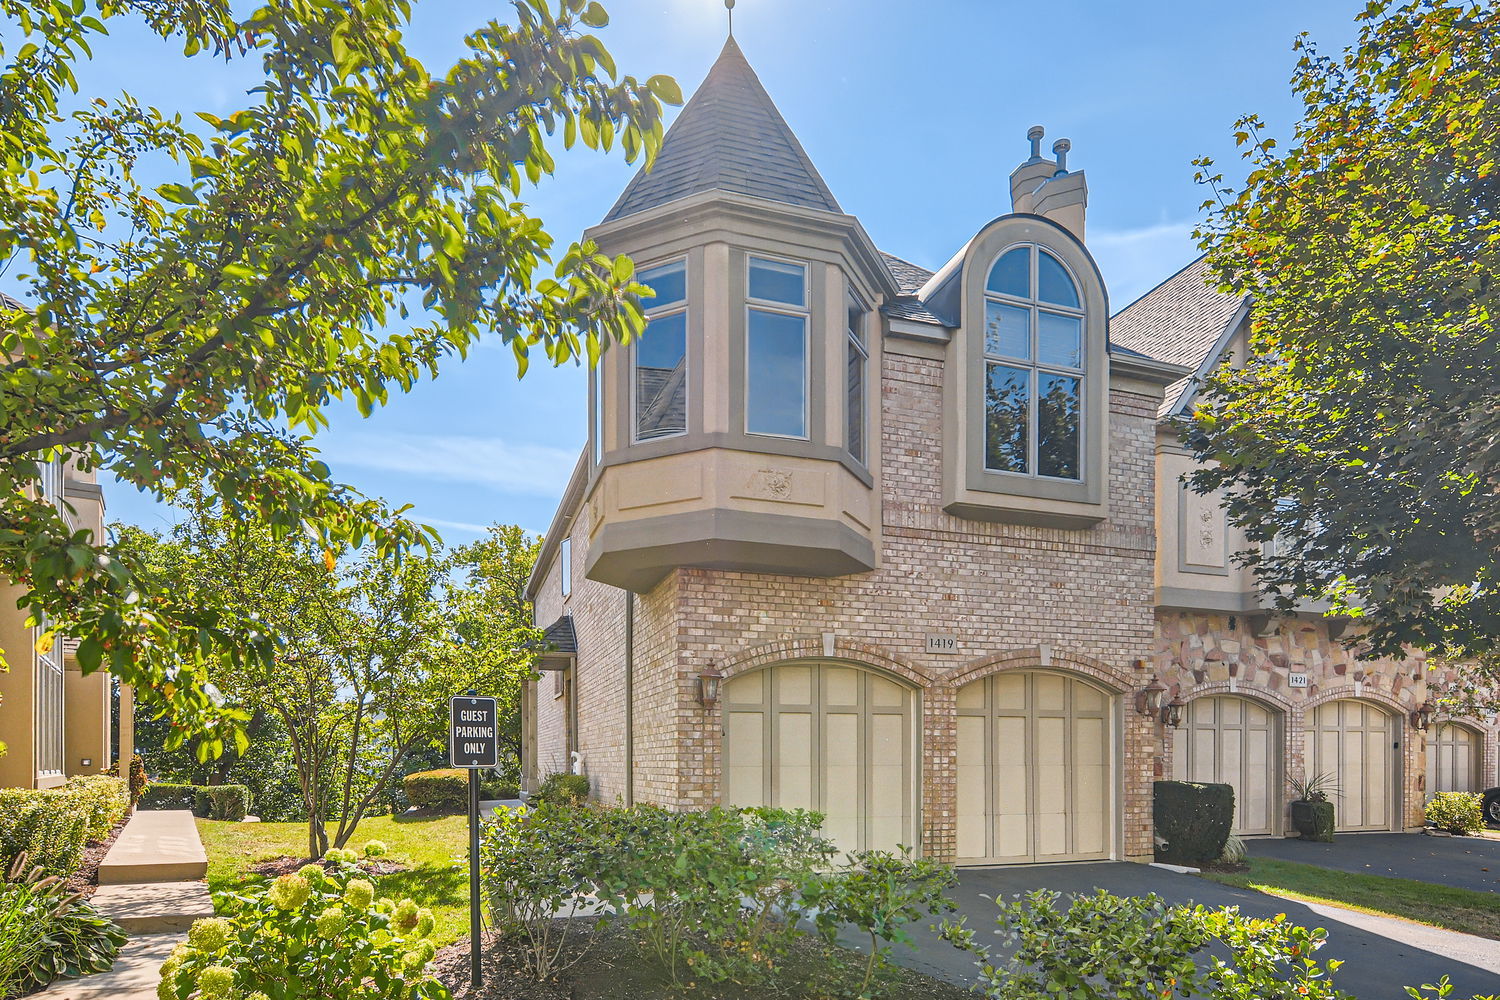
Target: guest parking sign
[{"x": 473, "y": 732}]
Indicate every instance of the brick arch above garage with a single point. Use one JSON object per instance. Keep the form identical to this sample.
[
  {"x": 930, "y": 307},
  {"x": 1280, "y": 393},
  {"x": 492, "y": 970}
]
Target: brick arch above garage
[
  {"x": 813, "y": 648},
  {"x": 1047, "y": 658}
]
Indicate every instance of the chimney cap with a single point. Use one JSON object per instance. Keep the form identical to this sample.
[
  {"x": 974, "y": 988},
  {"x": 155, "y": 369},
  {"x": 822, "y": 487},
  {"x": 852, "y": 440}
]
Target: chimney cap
[
  {"x": 1035, "y": 134},
  {"x": 1060, "y": 150}
]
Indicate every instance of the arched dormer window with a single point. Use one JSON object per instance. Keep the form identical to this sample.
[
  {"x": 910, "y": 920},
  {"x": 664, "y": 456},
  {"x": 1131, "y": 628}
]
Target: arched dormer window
[{"x": 1034, "y": 367}]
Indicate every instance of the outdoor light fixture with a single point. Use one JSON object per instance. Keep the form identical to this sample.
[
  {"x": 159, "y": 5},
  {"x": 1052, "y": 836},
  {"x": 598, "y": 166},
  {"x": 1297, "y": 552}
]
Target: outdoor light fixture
[
  {"x": 1148, "y": 698},
  {"x": 708, "y": 688},
  {"x": 1421, "y": 718},
  {"x": 1171, "y": 714}
]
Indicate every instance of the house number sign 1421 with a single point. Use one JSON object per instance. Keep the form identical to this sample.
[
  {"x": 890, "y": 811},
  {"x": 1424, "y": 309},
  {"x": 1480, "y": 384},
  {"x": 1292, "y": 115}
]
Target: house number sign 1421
[{"x": 1297, "y": 680}]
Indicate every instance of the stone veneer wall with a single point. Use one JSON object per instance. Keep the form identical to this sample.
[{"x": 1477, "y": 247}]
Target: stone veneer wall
[{"x": 1199, "y": 654}]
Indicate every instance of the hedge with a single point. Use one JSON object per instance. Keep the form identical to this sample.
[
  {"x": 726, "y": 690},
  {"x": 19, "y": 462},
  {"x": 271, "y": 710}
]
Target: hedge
[
  {"x": 228, "y": 802},
  {"x": 1193, "y": 819},
  {"x": 52, "y": 825},
  {"x": 162, "y": 795},
  {"x": 563, "y": 789},
  {"x": 443, "y": 790}
]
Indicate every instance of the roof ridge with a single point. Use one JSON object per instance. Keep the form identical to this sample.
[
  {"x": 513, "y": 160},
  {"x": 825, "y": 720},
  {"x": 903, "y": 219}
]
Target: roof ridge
[{"x": 1159, "y": 286}]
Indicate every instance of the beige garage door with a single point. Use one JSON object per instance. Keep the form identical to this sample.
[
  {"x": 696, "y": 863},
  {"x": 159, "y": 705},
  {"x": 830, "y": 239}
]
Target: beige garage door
[
  {"x": 1453, "y": 758},
  {"x": 829, "y": 737},
  {"x": 1035, "y": 770},
  {"x": 1233, "y": 741},
  {"x": 1352, "y": 741}
]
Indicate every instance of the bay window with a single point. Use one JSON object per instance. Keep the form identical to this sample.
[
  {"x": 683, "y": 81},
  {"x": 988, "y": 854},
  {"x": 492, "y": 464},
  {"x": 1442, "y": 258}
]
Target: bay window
[
  {"x": 776, "y": 359},
  {"x": 659, "y": 375}
]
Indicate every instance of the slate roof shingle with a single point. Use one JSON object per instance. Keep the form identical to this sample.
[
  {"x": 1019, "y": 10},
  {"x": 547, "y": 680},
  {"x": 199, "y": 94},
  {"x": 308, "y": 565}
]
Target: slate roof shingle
[
  {"x": 1179, "y": 321},
  {"x": 559, "y": 637},
  {"x": 729, "y": 137},
  {"x": 909, "y": 278}
]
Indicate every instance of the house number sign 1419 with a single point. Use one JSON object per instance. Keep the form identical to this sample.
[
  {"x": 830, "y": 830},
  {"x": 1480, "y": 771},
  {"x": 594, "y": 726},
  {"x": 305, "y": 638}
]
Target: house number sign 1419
[
  {"x": 1297, "y": 680},
  {"x": 942, "y": 644}
]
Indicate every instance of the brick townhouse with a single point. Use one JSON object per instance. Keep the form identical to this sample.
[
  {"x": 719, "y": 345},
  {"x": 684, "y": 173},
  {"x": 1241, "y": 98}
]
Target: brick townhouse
[{"x": 911, "y": 548}]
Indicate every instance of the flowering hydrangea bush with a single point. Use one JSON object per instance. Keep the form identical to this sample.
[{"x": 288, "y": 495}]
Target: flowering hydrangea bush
[{"x": 306, "y": 934}]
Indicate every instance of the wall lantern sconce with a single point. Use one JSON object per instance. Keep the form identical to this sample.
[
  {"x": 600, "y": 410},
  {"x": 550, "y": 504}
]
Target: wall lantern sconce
[
  {"x": 708, "y": 688},
  {"x": 1171, "y": 714},
  {"x": 1421, "y": 718},
  {"x": 1148, "y": 699}
]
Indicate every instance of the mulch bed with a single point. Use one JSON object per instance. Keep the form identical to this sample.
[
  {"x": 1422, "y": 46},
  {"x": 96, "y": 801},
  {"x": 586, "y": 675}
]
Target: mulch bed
[
  {"x": 615, "y": 969},
  {"x": 86, "y": 878},
  {"x": 285, "y": 865},
  {"x": 1224, "y": 868}
]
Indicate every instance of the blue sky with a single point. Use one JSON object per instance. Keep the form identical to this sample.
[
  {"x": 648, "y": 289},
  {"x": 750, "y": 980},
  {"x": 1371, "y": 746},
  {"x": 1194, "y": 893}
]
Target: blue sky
[{"x": 914, "y": 113}]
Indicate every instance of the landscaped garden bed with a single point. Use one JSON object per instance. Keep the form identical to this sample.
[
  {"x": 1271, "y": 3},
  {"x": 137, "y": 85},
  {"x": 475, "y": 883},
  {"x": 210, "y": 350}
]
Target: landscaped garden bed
[{"x": 616, "y": 969}]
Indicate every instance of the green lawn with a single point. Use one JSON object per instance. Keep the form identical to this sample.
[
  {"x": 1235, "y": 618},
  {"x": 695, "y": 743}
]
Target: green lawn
[
  {"x": 1441, "y": 906},
  {"x": 429, "y": 846}
]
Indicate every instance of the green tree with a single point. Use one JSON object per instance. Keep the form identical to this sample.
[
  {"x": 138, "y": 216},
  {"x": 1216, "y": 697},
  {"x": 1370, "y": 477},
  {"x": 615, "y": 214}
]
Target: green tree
[
  {"x": 493, "y": 620},
  {"x": 351, "y": 228},
  {"x": 369, "y": 652},
  {"x": 1362, "y": 431}
]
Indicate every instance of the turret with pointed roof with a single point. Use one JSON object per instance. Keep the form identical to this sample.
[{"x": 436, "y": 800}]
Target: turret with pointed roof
[{"x": 730, "y": 137}]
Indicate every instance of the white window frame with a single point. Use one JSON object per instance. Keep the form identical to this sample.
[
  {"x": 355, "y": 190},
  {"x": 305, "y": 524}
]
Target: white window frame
[
  {"x": 858, "y": 341},
  {"x": 1034, "y": 365},
  {"x": 597, "y": 381},
  {"x": 565, "y": 566},
  {"x": 661, "y": 312},
  {"x": 805, "y": 314}
]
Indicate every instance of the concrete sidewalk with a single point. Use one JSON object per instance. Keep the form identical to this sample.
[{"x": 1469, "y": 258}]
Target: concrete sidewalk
[{"x": 155, "y": 846}]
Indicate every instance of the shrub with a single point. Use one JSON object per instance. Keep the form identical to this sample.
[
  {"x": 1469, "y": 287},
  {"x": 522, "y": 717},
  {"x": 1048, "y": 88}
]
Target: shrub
[
  {"x": 227, "y": 802},
  {"x": 1193, "y": 819},
  {"x": 563, "y": 789},
  {"x": 306, "y": 934},
  {"x": 493, "y": 786},
  {"x": 443, "y": 790},
  {"x": 47, "y": 932},
  {"x": 1235, "y": 851},
  {"x": 164, "y": 795},
  {"x": 879, "y": 894},
  {"x": 710, "y": 894},
  {"x": 138, "y": 779},
  {"x": 1456, "y": 812},
  {"x": 1102, "y": 947},
  {"x": 51, "y": 826}
]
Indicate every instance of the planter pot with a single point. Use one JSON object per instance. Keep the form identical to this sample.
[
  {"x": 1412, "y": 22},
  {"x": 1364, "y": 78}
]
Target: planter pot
[{"x": 1313, "y": 820}]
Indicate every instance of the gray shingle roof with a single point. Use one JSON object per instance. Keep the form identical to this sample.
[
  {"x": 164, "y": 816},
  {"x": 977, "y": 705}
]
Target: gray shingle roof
[
  {"x": 559, "y": 637},
  {"x": 909, "y": 277},
  {"x": 730, "y": 137},
  {"x": 1178, "y": 321},
  {"x": 11, "y": 303}
]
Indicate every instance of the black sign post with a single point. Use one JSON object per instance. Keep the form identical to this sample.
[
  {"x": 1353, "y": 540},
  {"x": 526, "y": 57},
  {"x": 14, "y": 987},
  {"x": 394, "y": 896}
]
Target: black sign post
[{"x": 473, "y": 743}]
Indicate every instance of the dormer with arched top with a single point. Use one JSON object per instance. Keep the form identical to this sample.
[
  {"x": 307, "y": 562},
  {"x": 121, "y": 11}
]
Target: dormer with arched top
[{"x": 738, "y": 431}]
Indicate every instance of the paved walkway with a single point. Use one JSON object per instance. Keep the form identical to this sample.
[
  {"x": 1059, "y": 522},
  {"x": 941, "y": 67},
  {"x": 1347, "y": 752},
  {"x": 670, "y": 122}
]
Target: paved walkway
[
  {"x": 156, "y": 846},
  {"x": 1463, "y": 862},
  {"x": 1382, "y": 955},
  {"x": 149, "y": 884}
]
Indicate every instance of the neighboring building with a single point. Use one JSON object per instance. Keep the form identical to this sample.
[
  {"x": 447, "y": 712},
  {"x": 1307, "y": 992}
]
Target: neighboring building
[
  {"x": 909, "y": 548},
  {"x": 54, "y": 720}
]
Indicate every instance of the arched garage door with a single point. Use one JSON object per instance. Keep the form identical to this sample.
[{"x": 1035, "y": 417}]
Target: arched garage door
[
  {"x": 1453, "y": 759},
  {"x": 1035, "y": 770},
  {"x": 1233, "y": 741},
  {"x": 825, "y": 736},
  {"x": 1354, "y": 742}
]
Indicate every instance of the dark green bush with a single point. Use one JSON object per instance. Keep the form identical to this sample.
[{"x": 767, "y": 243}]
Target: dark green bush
[
  {"x": 493, "y": 786},
  {"x": 443, "y": 790},
  {"x": 47, "y": 932},
  {"x": 563, "y": 789},
  {"x": 229, "y": 802},
  {"x": 162, "y": 795},
  {"x": 51, "y": 826},
  {"x": 1194, "y": 819}
]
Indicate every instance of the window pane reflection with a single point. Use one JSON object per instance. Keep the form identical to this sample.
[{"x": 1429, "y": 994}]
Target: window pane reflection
[
  {"x": 1006, "y": 406},
  {"x": 1059, "y": 340},
  {"x": 1007, "y": 330},
  {"x": 661, "y": 378},
  {"x": 776, "y": 374},
  {"x": 1057, "y": 419}
]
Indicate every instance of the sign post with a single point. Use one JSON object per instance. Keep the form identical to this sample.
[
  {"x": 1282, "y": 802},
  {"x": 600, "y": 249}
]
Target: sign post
[{"x": 473, "y": 743}]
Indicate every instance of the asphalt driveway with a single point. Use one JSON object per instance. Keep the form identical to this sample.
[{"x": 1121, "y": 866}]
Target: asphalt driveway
[
  {"x": 1382, "y": 954},
  {"x": 1462, "y": 862}
]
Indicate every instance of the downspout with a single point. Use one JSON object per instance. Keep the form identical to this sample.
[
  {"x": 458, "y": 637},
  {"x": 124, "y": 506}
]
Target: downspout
[{"x": 629, "y": 698}]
